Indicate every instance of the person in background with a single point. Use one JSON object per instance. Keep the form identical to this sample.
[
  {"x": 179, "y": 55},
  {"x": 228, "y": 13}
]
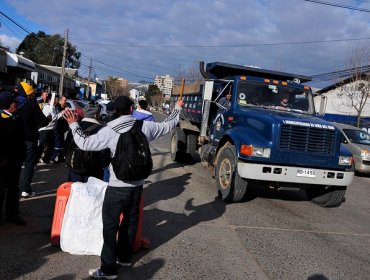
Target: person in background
[
  {"x": 111, "y": 115},
  {"x": 46, "y": 142},
  {"x": 44, "y": 98},
  {"x": 33, "y": 119},
  {"x": 142, "y": 113},
  {"x": 100, "y": 159},
  {"x": 60, "y": 128},
  {"x": 15, "y": 91},
  {"x": 284, "y": 102},
  {"x": 225, "y": 101},
  {"x": 12, "y": 155},
  {"x": 120, "y": 196}
]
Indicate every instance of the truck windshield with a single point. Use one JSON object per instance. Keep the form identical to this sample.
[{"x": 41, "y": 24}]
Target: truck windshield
[{"x": 275, "y": 97}]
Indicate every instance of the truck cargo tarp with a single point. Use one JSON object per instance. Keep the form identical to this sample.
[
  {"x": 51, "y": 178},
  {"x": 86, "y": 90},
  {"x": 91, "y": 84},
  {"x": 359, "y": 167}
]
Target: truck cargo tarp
[{"x": 220, "y": 70}]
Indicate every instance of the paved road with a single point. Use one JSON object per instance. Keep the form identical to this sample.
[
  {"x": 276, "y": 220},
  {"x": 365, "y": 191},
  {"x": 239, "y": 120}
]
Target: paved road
[{"x": 194, "y": 235}]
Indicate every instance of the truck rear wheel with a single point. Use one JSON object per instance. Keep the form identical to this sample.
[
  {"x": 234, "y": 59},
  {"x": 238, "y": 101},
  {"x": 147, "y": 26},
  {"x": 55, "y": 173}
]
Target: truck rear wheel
[
  {"x": 191, "y": 145},
  {"x": 329, "y": 196},
  {"x": 178, "y": 144},
  {"x": 231, "y": 186}
]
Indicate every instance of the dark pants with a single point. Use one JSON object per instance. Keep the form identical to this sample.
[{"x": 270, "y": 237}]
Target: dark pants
[
  {"x": 9, "y": 181},
  {"x": 58, "y": 145},
  {"x": 29, "y": 167},
  {"x": 46, "y": 145},
  {"x": 119, "y": 200}
]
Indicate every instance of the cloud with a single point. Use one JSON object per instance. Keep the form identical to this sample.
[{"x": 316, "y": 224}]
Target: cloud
[
  {"x": 10, "y": 42},
  {"x": 143, "y": 38}
]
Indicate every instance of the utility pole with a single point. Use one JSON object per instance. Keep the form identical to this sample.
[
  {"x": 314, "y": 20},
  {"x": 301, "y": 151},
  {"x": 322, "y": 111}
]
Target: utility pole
[
  {"x": 88, "y": 80},
  {"x": 61, "y": 82}
]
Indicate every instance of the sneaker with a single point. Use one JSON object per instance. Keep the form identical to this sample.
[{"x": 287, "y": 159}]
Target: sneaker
[
  {"x": 43, "y": 160},
  {"x": 57, "y": 161},
  {"x": 125, "y": 263},
  {"x": 98, "y": 274},
  {"x": 27, "y": 195}
]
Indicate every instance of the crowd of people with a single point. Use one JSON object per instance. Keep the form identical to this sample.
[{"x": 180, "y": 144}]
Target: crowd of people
[{"x": 47, "y": 131}]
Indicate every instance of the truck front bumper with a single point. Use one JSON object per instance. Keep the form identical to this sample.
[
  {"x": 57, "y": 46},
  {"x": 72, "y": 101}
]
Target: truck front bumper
[{"x": 292, "y": 174}]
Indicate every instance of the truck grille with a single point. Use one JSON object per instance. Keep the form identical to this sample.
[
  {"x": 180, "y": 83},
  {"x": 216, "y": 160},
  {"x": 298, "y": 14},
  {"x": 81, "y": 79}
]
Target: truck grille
[{"x": 307, "y": 139}]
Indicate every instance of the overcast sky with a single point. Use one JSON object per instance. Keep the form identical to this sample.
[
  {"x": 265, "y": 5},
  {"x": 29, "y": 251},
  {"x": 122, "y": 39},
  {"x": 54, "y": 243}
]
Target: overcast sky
[{"x": 140, "y": 39}]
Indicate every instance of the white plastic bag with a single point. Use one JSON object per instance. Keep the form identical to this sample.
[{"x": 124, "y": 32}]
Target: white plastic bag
[{"x": 82, "y": 226}]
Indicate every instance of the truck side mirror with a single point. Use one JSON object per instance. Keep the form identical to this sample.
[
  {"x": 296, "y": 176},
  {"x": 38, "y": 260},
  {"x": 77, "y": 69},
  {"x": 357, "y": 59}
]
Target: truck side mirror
[
  {"x": 208, "y": 89},
  {"x": 323, "y": 102}
]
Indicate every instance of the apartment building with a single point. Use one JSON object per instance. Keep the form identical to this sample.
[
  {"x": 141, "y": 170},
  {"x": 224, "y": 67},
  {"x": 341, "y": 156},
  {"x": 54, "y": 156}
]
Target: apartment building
[{"x": 165, "y": 84}]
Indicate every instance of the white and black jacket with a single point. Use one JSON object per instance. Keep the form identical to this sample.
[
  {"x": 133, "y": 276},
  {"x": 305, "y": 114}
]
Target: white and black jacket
[{"x": 107, "y": 137}]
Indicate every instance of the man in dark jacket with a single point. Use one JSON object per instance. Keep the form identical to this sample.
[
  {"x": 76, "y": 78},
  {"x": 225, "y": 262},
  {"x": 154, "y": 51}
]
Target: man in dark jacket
[
  {"x": 97, "y": 160},
  {"x": 33, "y": 119},
  {"x": 12, "y": 154}
]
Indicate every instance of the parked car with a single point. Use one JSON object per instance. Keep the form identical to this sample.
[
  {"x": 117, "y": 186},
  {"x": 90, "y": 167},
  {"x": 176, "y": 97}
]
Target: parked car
[
  {"x": 103, "y": 111},
  {"x": 358, "y": 142},
  {"x": 75, "y": 107},
  {"x": 81, "y": 103}
]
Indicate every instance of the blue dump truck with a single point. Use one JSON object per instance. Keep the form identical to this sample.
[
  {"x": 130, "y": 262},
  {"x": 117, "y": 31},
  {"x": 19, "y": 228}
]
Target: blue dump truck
[{"x": 259, "y": 127}]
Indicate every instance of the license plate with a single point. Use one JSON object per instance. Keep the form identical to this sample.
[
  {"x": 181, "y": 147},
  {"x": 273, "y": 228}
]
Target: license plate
[{"x": 306, "y": 173}]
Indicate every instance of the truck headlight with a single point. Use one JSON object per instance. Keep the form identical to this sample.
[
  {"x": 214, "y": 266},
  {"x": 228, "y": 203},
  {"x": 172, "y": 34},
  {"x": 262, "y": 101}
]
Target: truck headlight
[
  {"x": 249, "y": 150},
  {"x": 343, "y": 160},
  {"x": 365, "y": 153}
]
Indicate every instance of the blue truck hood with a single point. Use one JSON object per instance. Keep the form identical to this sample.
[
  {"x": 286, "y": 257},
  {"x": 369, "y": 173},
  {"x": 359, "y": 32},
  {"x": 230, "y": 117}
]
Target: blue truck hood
[{"x": 262, "y": 128}]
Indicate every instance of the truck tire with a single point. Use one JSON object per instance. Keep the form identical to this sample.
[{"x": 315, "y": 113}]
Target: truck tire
[
  {"x": 178, "y": 144},
  {"x": 329, "y": 196},
  {"x": 231, "y": 186},
  {"x": 191, "y": 145}
]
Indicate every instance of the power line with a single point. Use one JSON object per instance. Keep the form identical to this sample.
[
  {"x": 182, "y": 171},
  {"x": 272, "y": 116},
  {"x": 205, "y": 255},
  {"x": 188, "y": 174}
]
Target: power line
[
  {"x": 29, "y": 32},
  {"x": 229, "y": 46},
  {"x": 26, "y": 30},
  {"x": 339, "y": 74},
  {"x": 129, "y": 73},
  {"x": 11, "y": 29},
  {"x": 17, "y": 24},
  {"x": 338, "y": 5}
]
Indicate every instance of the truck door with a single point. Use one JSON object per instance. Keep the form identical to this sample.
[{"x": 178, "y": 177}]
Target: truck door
[{"x": 220, "y": 119}]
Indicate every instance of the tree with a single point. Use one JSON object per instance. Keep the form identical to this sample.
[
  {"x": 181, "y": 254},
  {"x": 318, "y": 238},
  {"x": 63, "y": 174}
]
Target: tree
[
  {"x": 191, "y": 74},
  {"x": 48, "y": 49},
  {"x": 115, "y": 87},
  {"x": 152, "y": 91},
  {"x": 355, "y": 90}
]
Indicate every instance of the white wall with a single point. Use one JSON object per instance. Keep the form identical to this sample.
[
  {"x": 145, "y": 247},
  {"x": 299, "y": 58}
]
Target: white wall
[{"x": 338, "y": 104}]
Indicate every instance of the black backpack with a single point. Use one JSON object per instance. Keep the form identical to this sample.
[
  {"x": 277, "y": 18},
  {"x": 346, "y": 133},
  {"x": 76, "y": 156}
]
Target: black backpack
[
  {"x": 81, "y": 162},
  {"x": 132, "y": 160}
]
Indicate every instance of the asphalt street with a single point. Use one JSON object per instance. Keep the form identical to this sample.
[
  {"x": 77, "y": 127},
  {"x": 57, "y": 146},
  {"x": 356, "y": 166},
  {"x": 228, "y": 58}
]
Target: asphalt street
[{"x": 194, "y": 235}]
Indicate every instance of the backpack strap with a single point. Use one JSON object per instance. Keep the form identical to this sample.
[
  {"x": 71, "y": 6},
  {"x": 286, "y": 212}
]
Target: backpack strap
[{"x": 138, "y": 124}]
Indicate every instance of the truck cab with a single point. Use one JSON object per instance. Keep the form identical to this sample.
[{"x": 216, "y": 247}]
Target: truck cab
[{"x": 256, "y": 125}]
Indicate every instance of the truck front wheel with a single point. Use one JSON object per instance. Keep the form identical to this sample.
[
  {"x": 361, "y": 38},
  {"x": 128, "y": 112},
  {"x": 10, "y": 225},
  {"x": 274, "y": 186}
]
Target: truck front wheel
[
  {"x": 329, "y": 196},
  {"x": 178, "y": 144},
  {"x": 231, "y": 186}
]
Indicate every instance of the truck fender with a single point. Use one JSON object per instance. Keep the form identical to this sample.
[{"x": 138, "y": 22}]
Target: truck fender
[
  {"x": 230, "y": 137},
  {"x": 241, "y": 135},
  {"x": 186, "y": 125}
]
